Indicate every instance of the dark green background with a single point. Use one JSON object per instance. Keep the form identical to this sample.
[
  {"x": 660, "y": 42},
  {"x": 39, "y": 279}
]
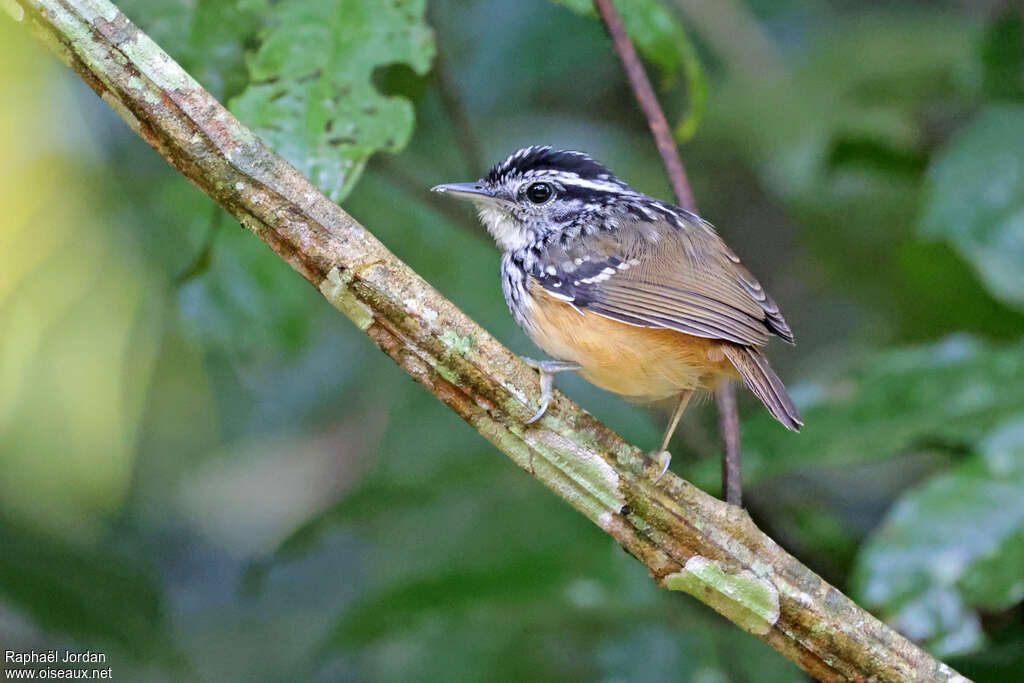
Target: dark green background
[{"x": 207, "y": 473}]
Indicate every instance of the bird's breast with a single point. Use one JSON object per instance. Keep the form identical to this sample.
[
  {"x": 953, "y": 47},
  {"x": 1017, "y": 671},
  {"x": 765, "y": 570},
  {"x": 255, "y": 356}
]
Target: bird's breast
[{"x": 639, "y": 363}]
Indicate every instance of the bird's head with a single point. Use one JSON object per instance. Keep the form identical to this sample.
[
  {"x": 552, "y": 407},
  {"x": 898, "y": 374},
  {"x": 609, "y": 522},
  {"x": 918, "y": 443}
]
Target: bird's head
[{"x": 538, "y": 191}]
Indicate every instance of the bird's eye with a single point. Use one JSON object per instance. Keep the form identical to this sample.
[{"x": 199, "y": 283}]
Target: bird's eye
[{"x": 538, "y": 193}]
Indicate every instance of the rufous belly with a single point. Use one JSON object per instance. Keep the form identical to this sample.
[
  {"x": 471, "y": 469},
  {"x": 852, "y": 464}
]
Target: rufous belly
[{"x": 639, "y": 363}]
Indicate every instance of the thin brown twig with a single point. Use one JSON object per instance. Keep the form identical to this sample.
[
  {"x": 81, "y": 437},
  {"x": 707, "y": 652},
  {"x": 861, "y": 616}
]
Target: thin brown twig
[
  {"x": 729, "y": 422},
  {"x": 644, "y": 93},
  {"x": 725, "y": 397}
]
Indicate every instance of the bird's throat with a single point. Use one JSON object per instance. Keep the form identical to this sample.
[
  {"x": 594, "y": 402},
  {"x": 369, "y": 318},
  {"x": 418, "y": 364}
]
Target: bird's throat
[{"x": 509, "y": 233}]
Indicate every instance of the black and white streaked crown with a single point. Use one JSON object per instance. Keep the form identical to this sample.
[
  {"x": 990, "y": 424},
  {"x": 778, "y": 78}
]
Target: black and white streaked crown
[{"x": 563, "y": 165}]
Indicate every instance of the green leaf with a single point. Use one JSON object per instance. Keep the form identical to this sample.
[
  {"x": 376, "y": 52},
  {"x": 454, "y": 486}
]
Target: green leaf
[
  {"x": 975, "y": 199},
  {"x": 954, "y": 544},
  {"x": 949, "y": 394},
  {"x": 311, "y": 96},
  {"x": 662, "y": 41}
]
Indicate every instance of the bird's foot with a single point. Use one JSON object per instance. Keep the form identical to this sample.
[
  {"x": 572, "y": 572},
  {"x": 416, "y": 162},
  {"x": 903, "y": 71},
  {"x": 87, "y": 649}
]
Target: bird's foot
[
  {"x": 663, "y": 458},
  {"x": 547, "y": 370}
]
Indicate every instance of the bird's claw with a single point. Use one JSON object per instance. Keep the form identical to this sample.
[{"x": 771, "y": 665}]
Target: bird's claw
[
  {"x": 547, "y": 370},
  {"x": 547, "y": 382},
  {"x": 545, "y": 401},
  {"x": 663, "y": 458}
]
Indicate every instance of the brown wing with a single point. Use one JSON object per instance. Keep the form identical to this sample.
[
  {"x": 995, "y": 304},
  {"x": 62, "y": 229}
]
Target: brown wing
[{"x": 653, "y": 274}]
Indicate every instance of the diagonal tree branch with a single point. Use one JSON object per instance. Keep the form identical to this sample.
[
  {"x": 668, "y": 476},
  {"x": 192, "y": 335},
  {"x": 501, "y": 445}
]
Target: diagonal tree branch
[{"x": 687, "y": 539}]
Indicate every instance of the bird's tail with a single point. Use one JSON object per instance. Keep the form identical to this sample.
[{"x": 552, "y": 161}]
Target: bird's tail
[{"x": 766, "y": 385}]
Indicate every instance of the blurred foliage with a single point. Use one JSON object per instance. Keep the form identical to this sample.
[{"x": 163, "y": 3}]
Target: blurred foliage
[
  {"x": 93, "y": 593},
  {"x": 207, "y": 473},
  {"x": 661, "y": 40},
  {"x": 948, "y": 396},
  {"x": 1002, "y": 55},
  {"x": 975, "y": 199},
  {"x": 79, "y": 331},
  {"x": 951, "y": 546},
  {"x": 207, "y": 37}
]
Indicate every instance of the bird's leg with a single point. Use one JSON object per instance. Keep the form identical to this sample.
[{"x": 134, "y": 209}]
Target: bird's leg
[
  {"x": 547, "y": 370},
  {"x": 662, "y": 456}
]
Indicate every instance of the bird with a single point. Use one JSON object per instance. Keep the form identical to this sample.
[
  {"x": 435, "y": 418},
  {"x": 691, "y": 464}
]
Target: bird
[{"x": 639, "y": 296}]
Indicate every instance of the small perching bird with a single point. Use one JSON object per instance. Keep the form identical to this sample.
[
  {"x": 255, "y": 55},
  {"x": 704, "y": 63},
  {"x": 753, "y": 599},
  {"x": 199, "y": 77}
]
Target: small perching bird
[{"x": 639, "y": 296}]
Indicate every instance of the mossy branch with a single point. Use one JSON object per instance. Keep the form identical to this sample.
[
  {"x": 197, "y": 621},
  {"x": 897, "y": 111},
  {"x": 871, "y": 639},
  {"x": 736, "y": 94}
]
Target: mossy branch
[{"x": 688, "y": 540}]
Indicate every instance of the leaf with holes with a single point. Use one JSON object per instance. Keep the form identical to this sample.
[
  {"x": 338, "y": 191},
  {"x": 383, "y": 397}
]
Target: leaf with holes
[{"x": 311, "y": 95}]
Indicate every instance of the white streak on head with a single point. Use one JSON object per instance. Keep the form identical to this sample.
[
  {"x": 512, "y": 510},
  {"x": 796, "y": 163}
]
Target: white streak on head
[{"x": 574, "y": 180}]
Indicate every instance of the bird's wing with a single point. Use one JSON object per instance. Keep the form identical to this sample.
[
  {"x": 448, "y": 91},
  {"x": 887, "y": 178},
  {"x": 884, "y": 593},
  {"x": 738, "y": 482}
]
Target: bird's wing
[{"x": 655, "y": 274}]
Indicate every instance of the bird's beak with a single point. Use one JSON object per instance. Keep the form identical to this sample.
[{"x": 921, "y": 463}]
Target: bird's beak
[{"x": 470, "y": 191}]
